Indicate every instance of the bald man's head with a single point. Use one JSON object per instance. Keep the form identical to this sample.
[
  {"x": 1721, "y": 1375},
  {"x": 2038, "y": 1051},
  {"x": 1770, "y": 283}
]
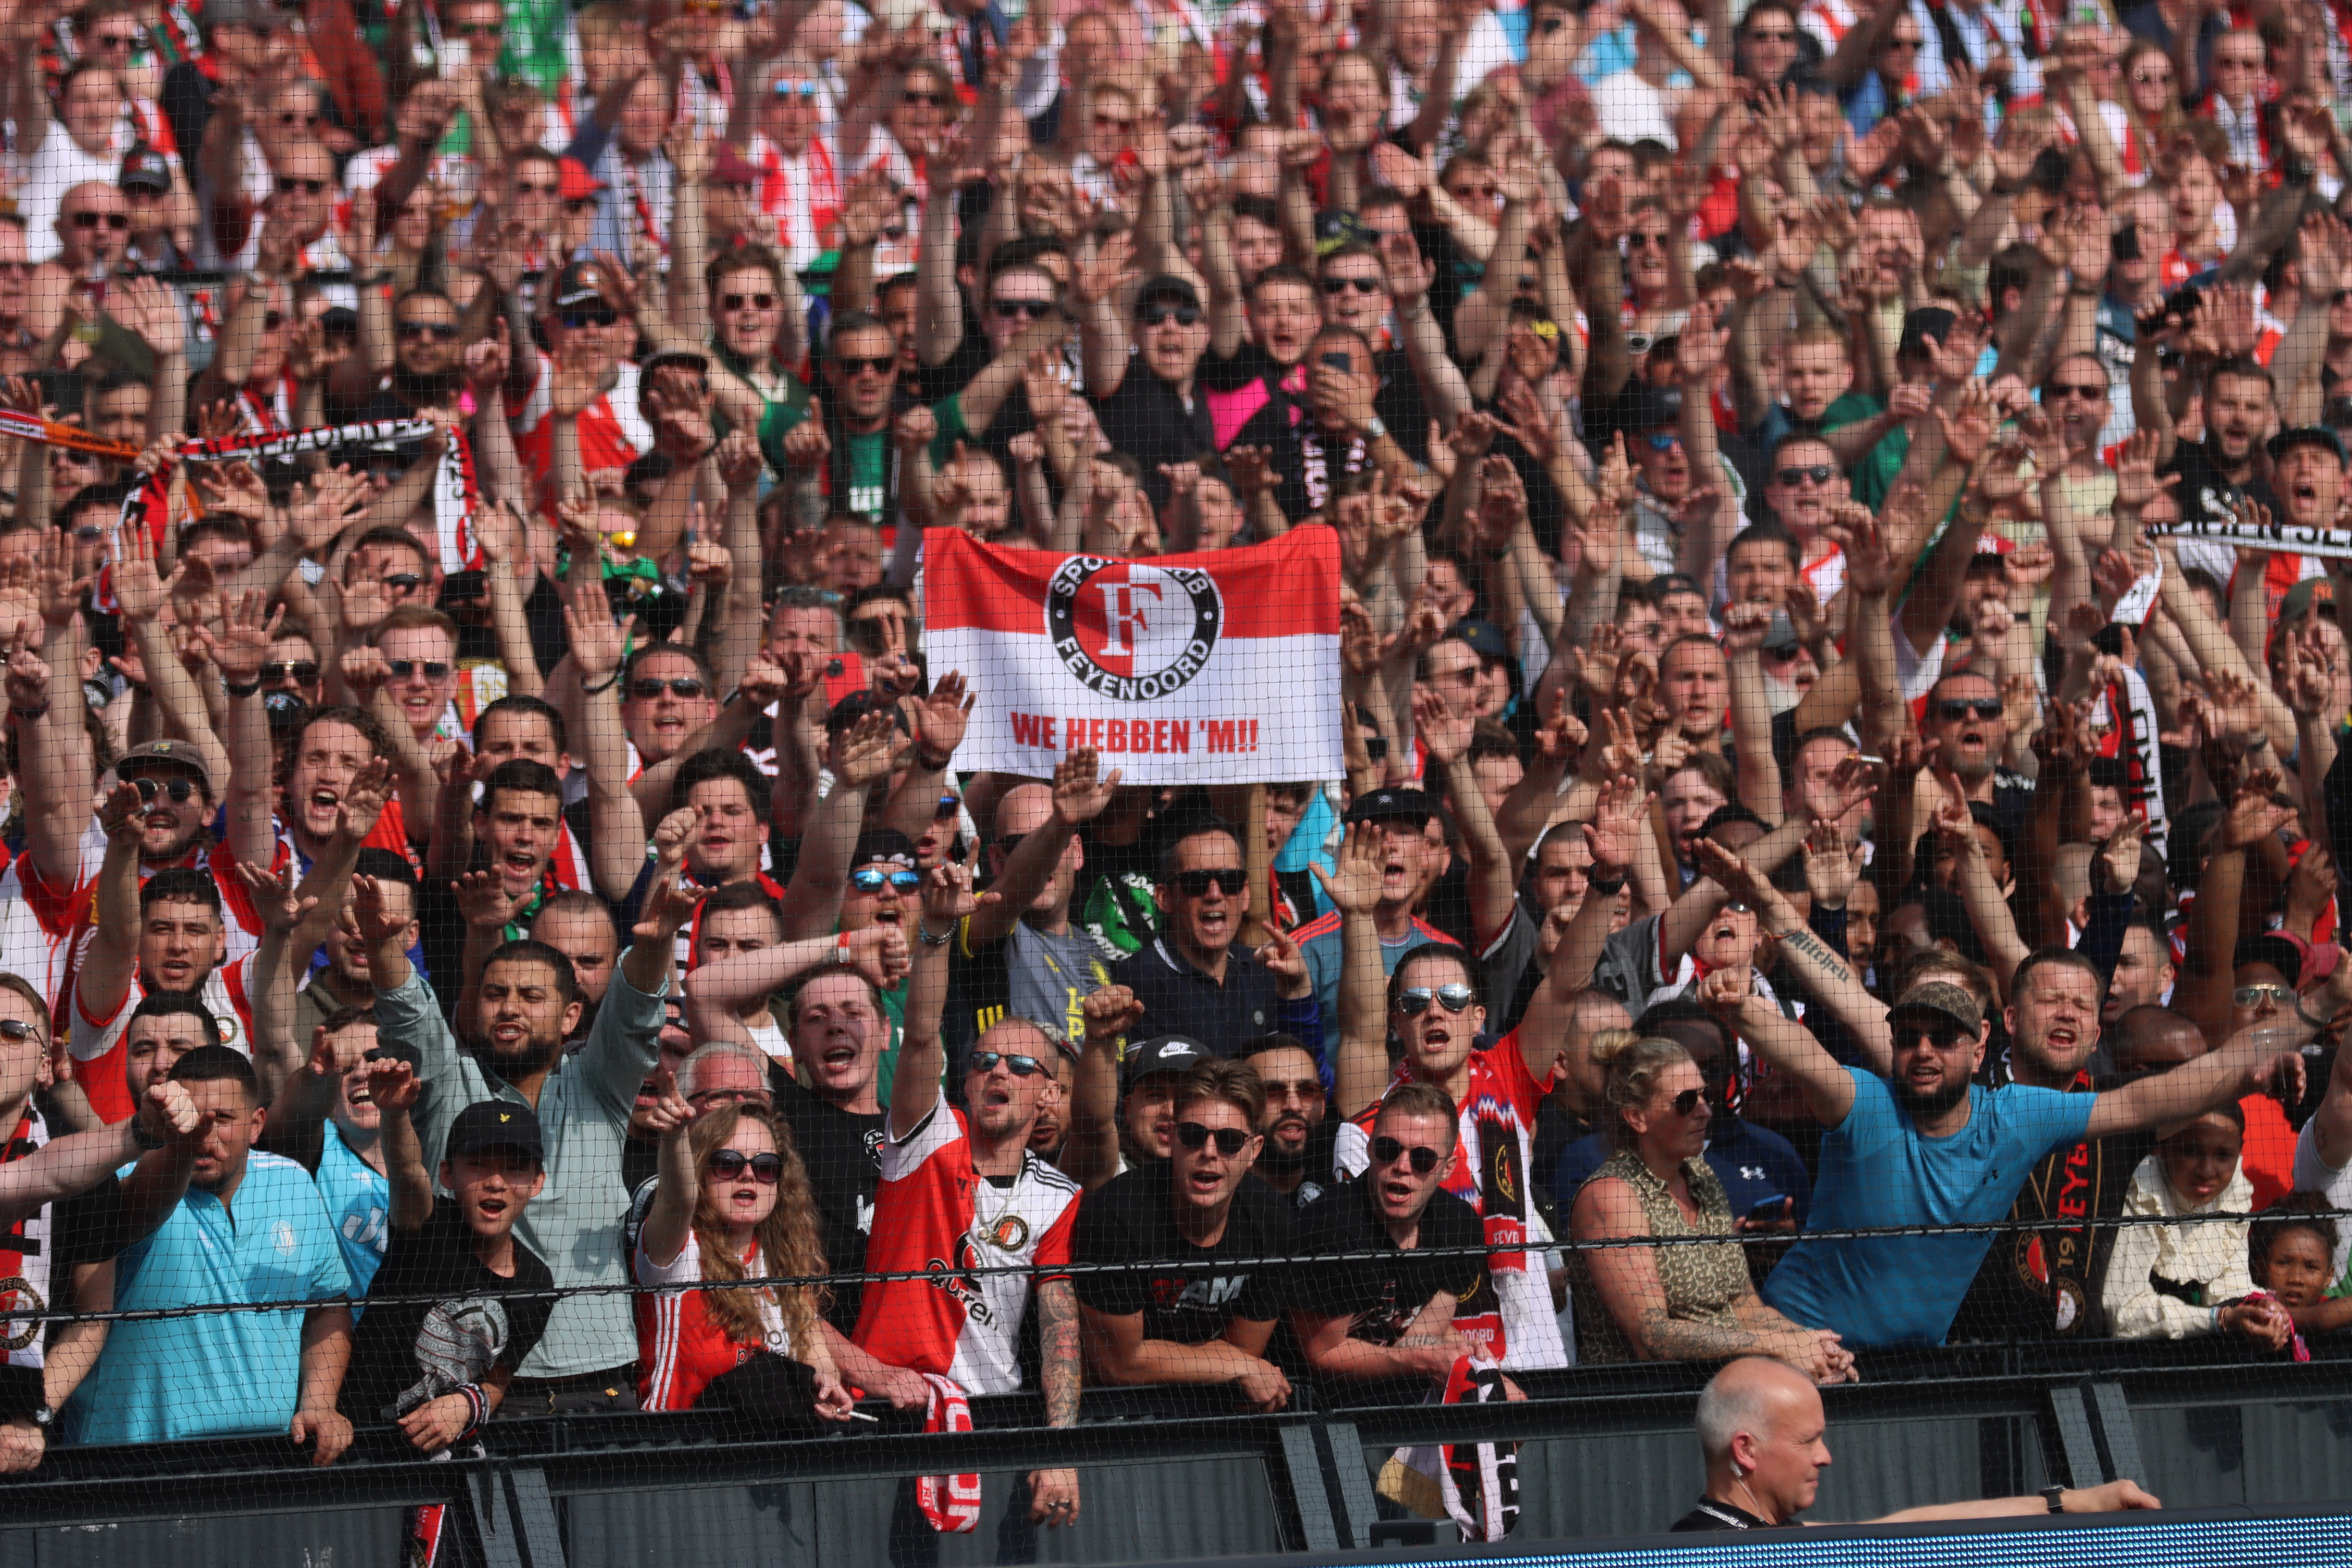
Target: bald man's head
[
  {"x": 2154, "y": 1039},
  {"x": 1760, "y": 1426}
]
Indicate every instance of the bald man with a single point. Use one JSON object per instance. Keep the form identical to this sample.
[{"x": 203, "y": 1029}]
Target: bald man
[
  {"x": 2155, "y": 1039},
  {"x": 1760, "y": 1428}
]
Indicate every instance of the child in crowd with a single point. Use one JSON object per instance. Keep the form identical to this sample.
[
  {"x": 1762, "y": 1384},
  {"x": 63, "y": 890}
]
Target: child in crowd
[{"x": 2171, "y": 1281}]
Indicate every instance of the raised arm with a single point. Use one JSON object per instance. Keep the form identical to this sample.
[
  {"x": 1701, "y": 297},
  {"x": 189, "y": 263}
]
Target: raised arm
[
  {"x": 1354, "y": 889},
  {"x": 922, "y": 1054},
  {"x": 861, "y": 756},
  {"x": 1788, "y": 1044}
]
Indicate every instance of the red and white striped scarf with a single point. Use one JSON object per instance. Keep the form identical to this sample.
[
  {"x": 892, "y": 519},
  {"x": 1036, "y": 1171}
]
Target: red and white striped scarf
[{"x": 950, "y": 1502}]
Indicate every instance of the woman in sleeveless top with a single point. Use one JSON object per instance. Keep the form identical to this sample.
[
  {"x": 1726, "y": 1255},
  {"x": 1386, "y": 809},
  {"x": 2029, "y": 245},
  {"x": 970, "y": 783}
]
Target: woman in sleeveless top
[{"x": 1691, "y": 1302}]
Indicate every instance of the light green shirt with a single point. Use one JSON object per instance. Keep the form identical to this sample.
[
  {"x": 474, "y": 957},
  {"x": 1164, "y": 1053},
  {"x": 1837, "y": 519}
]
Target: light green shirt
[{"x": 583, "y": 1115}]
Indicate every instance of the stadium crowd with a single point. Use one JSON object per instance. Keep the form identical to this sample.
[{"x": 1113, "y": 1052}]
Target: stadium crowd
[{"x": 1816, "y": 757}]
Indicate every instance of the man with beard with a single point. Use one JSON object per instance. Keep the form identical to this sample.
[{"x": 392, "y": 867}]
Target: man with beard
[
  {"x": 1894, "y": 1156},
  {"x": 1191, "y": 980},
  {"x": 427, "y": 368},
  {"x": 961, "y": 1191},
  {"x": 2223, "y": 467},
  {"x": 529, "y": 1003},
  {"x": 1965, "y": 714},
  {"x": 1299, "y": 1135},
  {"x": 1411, "y": 862},
  {"x": 1338, "y": 433}
]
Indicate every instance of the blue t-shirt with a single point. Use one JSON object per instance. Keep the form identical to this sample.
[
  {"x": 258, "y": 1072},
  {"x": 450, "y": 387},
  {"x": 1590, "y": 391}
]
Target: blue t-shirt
[
  {"x": 213, "y": 1373},
  {"x": 359, "y": 1200},
  {"x": 1877, "y": 1170}
]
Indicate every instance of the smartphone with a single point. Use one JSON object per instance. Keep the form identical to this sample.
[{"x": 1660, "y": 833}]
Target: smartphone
[
  {"x": 1772, "y": 1210},
  {"x": 1376, "y": 748},
  {"x": 1338, "y": 361}
]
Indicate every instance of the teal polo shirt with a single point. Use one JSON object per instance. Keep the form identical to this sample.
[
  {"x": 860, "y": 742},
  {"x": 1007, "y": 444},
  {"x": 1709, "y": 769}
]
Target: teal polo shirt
[{"x": 213, "y": 1373}]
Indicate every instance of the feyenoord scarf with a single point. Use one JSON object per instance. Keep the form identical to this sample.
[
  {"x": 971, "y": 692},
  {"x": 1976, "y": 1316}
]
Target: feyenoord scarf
[
  {"x": 1475, "y": 1484},
  {"x": 950, "y": 1502},
  {"x": 455, "y": 494}
]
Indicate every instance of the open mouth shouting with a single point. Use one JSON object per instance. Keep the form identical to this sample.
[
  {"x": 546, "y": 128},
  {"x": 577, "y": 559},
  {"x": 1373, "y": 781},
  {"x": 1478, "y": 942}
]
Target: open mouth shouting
[
  {"x": 509, "y": 1035},
  {"x": 321, "y": 811}
]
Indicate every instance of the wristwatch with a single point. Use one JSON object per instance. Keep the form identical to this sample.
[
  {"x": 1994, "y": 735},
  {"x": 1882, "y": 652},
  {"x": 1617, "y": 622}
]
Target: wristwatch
[
  {"x": 1374, "y": 429},
  {"x": 2056, "y": 1498},
  {"x": 44, "y": 1416}
]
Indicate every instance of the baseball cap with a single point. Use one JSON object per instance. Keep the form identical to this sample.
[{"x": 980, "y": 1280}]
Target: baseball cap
[
  {"x": 579, "y": 284},
  {"x": 729, "y": 167},
  {"x": 145, "y": 169},
  {"x": 1484, "y": 638},
  {"x": 1168, "y": 286},
  {"x": 489, "y": 1124},
  {"x": 1940, "y": 999},
  {"x": 2300, "y": 598},
  {"x": 1780, "y": 637},
  {"x": 573, "y": 181},
  {"x": 886, "y": 844},
  {"x": 689, "y": 359},
  {"x": 1644, "y": 409},
  {"x": 257, "y": 14},
  {"x": 1163, "y": 1053},
  {"x": 2307, "y": 436},
  {"x": 176, "y": 752},
  {"x": 1392, "y": 806}
]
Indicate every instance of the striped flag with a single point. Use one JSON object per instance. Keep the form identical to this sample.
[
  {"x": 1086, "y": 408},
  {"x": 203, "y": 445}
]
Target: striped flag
[{"x": 1221, "y": 667}]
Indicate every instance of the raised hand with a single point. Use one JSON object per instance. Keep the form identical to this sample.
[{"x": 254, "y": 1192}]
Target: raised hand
[
  {"x": 1110, "y": 1013},
  {"x": 274, "y": 897},
  {"x": 665, "y": 1113},
  {"x": 484, "y": 902},
  {"x": 863, "y": 752},
  {"x": 377, "y": 924},
  {"x": 1614, "y": 834},
  {"x": 1445, "y": 733},
  {"x": 1080, "y": 793},
  {"x": 941, "y": 718},
  {"x": 1354, "y": 887}
]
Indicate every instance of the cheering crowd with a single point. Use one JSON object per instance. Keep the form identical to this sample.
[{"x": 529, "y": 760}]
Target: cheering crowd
[{"x": 1837, "y": 733}]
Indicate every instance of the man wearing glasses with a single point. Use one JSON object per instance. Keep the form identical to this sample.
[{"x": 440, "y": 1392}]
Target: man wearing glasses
[
  {"x": 84, "y": 145},
  {"x": 581, "y": 320},
  {"x": 1388, "y": 1312},
  {"x": 960, "y": 1190},
  {"x": 800, "y": 184},
  {"x": 1202, "y": 1326},
  {"x": 1191, "y": 979},
  {"x": 1151, "y": 406}
]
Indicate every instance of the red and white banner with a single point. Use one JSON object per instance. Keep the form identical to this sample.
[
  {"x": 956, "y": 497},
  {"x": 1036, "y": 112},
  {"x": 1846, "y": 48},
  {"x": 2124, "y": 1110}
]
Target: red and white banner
[{"x": 1221, "y": 667}]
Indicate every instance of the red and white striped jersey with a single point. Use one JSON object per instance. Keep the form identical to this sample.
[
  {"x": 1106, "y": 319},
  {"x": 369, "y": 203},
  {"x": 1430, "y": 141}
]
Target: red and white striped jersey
[
  {"x": 26, "y": 1254},
  {"x": 679, "y": 1347},
  {"x": 37, "y": 926},
  {"x": 97, "y": 1043},
  {"x": 937, "y": 1218}
]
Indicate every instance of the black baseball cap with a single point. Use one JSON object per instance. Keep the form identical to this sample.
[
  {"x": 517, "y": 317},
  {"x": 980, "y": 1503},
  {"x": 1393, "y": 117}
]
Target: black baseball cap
[
  {"x": 145, "y": 169},
  {"x": 883, "y": 844},
  {"x": 1484, "y": 638},
  {"x": 489, "y": 1124},
  {"x": 1168, "y": 287},
  {"x": 580, "y": 283},
  {"x": 1392, "y": 806},
  {"x": 1926, "y": 322},
  {"x": 1163, "y": 1053},
  {"x": 2286, "y": 441}
]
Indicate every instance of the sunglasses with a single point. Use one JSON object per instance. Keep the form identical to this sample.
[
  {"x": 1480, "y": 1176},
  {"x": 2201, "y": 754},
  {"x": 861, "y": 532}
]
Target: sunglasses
[
  {"x": 2255, "y": 995},
  {"x": 178, "y": 790},
  {"x": 1760, "y": 36},
  {"x": 439, "y": 332},
  {"x": 1901, "y": 45},
  {"x": 1958, "y": 708},
  {"x": 1454, "y": 999},
  {"x": 1230, "y": 1141},
  {"x": 16, "y": 1032},
  {"x": 1229, "y": 881},
  {"x": 1662, "y": 440},
  {"x": 2089, "y": 392},
  {"x": 872, "y": 880},
  {"x": 880, "y": 364},
  {"x": 805, "y": 91},
  {"x": 115, "y": 221},
  {"x": 403, "y": 581},
  {"x": 1335, "y": 287},
  {"x": 1019, "y": 1066},
  {"x": 287, "y": 187},
  {"x": 302, "y": 671},
  {"x": 1387, "y": 1151},
  {"x": 579, "y": 204},
  {"x": 1161, "y": 315},
  {"x": 1689, "y": 1101},
  {"x": 526, "y": 190},
  {"x": 1640, "y": 240},
  {"x": 88, "y": 533},
  {"x": 933, "y": 99},
  {"x": 577, "y": 321},
  {"x": 1028, "y": 308},
  {"x": 948, "y": 808},
  {"x": 646, "y": 688},
  {"x": 111, "y": 41},
  {"x": 298, "y": 116},
  {"x": 431, "y": 668},
  {"x": 479, "y": 29},
  {"x": 1278, "y": 1089},
  {"x": 728, "y": 1164},
  {"x": 747, "y": 301},
  {"x": 1820, "y": 473}
]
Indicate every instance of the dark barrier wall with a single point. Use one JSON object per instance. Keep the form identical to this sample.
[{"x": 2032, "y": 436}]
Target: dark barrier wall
[{"x": 1605, "y": 1455}]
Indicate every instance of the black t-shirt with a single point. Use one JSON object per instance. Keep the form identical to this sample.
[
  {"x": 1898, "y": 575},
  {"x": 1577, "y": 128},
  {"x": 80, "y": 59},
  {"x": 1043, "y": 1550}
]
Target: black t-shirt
[
  {"x": 1382, "y": 1294},
  {"x": 1133, "y": 1220},
  {"x": 1712, "y": 1515},
  {"x": 2204, "y": 492},
  {"x": 1319, "y": 1160},
  {"x": 1150, "y": 420},
  {"x": 481, "y": 1321},
  {"x": 843, "y": 1153}
]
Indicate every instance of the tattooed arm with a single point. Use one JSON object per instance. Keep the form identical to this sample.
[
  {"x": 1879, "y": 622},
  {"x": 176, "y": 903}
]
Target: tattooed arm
[{"x": 1053, "y": 1494}]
